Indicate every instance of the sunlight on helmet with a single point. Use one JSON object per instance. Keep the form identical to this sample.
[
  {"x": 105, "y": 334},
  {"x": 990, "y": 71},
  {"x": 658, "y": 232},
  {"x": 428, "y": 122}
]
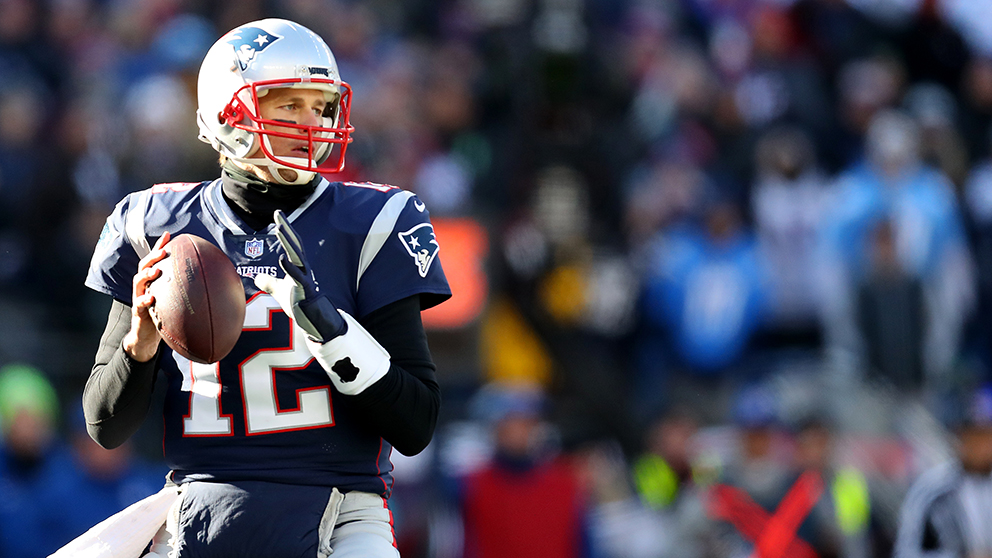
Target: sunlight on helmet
[{"x": 247, "y": 63}]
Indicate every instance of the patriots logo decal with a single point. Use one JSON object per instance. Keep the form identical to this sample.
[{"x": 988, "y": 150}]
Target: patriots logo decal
[
  {"x": 422, "y": 245},
  {"x": 106, "y": 236},
  {"x": 248, "y": 42}
]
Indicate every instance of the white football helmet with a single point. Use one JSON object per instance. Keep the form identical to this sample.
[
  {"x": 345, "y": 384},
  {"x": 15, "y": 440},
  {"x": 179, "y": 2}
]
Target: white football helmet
[{"x": 244, "y": 65}]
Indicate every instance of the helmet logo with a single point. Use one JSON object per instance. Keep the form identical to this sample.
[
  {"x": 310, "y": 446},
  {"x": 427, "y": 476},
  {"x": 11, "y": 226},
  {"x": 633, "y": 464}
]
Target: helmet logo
[{"x": 249, "y": 41}]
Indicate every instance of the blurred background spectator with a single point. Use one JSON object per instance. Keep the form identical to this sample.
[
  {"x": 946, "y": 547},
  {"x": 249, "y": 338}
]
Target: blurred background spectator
[
  {"x": 54, "y": 489},
  {"x": 646, "y": 208},
  {"x": 526, "y": 500},
  {"x": 33, "y": 458},
  {"x": 945, "y": 511}
]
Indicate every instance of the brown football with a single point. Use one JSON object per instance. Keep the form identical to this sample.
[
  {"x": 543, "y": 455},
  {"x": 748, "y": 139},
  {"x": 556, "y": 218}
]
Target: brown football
[{"x": 199, "y": 303}]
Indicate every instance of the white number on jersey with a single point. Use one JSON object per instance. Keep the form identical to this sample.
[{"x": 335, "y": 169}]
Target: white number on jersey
[{"x": 258, "y": 374}]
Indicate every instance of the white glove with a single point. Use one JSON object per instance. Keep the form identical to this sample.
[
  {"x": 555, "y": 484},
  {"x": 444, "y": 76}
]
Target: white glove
[
  {"x": 354, "y": 361},
  {"x": 297, "y": 291},
  {"x": 352, "y": 358}
]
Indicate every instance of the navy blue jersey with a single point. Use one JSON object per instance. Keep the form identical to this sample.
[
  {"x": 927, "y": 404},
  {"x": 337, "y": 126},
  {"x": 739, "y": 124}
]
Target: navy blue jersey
[{"x": 267, "y": 411}]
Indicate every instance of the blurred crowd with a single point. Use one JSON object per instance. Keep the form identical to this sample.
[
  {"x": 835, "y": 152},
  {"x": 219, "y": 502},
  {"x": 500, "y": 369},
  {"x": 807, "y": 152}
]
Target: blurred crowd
[{"x": 722, "y": 268}]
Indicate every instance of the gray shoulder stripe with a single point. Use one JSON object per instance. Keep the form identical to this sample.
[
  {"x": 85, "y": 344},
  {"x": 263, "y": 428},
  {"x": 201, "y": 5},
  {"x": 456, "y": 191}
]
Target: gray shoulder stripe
[
  {"x": 381, "y": 229},
  {"x": 318, "y": 191},
  {"x": 219, "y": 207},
  {"x": 134, "y": 225}
]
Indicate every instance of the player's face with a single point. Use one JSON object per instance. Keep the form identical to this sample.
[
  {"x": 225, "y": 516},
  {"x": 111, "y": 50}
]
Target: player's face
[
  {"x": 297, "y": 106},
  {"x": 975, "y": 449}
]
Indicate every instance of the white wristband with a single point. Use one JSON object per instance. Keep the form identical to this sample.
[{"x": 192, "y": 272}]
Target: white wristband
[{"x": 354, "y": 361}]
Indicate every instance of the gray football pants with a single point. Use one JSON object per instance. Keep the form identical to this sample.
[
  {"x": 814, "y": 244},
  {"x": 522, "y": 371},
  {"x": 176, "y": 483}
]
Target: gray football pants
[{"x": 265, "y": 520}]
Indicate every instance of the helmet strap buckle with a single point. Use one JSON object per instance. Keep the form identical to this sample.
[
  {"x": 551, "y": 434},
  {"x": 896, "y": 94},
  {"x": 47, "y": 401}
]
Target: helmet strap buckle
[{"x": 231, "y": 114}]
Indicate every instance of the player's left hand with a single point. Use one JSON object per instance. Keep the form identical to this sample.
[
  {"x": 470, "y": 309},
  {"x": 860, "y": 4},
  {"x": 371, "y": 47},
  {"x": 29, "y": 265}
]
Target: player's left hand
[
  {"x": 297, "y": 292},
  {"x": 352, "y": 358}
]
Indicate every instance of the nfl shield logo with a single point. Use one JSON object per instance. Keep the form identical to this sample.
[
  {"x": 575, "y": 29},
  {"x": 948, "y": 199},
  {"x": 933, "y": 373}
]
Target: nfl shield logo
[{"x": 254, "y": 248}]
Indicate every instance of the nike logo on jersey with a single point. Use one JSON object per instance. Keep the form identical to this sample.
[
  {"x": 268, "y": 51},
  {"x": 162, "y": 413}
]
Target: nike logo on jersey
[
  {"x": 422, "y": 245},
  {"x": 419, "y": 205}
]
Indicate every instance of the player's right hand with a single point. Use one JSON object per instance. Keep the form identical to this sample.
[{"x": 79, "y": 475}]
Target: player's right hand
[{"x": 141, "y": 343}]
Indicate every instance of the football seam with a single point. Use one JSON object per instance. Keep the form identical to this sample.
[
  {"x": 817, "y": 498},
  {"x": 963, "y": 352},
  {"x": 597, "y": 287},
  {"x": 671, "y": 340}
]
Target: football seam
[
  {"x": 206, "y": 293},
  {"x": 165, "y": 333},
  {"x": 172, "y": 339}
]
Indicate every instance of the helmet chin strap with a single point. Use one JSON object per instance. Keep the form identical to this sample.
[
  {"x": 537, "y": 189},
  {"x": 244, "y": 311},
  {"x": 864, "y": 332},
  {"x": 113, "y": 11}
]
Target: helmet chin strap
[{"x": 302, "y": 176}]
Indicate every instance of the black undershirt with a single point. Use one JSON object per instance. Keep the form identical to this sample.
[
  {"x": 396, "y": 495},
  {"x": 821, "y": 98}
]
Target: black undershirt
[
  {"x": 254, "y": 200},
  {"x": 401, "y": 407}
]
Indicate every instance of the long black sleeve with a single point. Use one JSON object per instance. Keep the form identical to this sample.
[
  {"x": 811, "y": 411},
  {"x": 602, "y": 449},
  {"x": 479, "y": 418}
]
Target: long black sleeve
[
  {"x": 402, "y": 406},
  {"x": 119, "y": 390}
]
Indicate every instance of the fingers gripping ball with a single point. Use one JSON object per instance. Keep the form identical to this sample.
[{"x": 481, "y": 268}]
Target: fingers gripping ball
[{"x": 199, "y": 304}]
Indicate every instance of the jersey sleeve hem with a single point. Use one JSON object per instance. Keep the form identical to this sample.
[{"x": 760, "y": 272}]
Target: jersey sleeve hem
[
  {"x": 429, "y": 298},
  {"x": 103, "y": 288}
]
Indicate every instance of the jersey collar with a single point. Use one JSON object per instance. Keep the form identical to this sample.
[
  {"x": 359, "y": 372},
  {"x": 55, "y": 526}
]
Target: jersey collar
[{"x": 222, "y": 213}]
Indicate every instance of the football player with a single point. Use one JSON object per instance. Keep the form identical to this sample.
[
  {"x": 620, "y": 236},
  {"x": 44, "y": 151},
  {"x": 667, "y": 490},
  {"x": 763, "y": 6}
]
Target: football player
[{"x": 282, "y": 447}]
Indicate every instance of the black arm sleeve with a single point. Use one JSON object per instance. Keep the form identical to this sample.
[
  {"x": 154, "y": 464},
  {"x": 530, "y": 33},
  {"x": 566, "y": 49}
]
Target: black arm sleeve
[
  {"x": 119, "y": 390},
  {"x": 402, "y": 406}
]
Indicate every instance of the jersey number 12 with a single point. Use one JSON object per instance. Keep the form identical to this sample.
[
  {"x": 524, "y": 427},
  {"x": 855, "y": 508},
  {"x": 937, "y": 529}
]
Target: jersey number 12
[{"x": 258, "y": 375}]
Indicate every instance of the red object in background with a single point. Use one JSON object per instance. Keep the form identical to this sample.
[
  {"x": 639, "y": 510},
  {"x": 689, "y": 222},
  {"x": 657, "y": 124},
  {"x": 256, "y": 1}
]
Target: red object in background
[
  {"x": 774, "y": 536},
  {"x": 351, "y": 173},
  {"x": 464, "y": 245},
  {"x": 531, "y": 513}
]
